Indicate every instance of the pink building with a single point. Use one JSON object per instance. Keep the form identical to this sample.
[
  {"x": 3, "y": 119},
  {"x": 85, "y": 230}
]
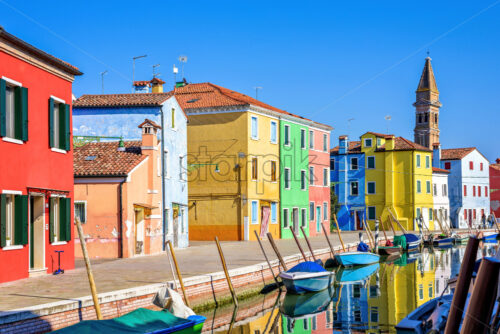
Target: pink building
[{"x": 319, "y": 192}]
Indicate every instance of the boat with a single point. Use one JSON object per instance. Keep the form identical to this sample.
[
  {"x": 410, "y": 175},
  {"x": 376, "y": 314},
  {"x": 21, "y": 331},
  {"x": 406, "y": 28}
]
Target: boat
[
  {"x": 412, "y": 241},
  {"x": 388, "y": 250},
  {"x": 443, "y": 242},
  {"x": 306, "y": 277},
  {"x": 460, "y": 239},
  {"x": 356, "y": 258},
  {"x": 490, "y": 236},
  {"x": 140, "y": 321},
  {"x": 350, "y": 275},
  {"x": 300, "y": 306}
]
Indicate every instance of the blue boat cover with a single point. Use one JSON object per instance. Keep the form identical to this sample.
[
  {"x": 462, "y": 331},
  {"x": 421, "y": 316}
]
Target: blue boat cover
[
  {"x": 362, "y": 247},
  {"x": 411, "y": 238},
  {"x": 307, "y": 267}
]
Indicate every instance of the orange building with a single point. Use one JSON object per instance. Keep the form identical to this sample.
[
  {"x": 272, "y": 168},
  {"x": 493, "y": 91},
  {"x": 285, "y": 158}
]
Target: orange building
[{"x": 118, "y": 197}]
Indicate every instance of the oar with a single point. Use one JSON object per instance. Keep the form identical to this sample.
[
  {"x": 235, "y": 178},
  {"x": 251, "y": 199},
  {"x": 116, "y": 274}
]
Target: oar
[
  {"x": 338, "y": 231},
  {"x": 270, "y": 287},
  {"x": 298, "y": 244},
  {"x": 307, "y": 242},
  {"x": 328, "y": 240}
]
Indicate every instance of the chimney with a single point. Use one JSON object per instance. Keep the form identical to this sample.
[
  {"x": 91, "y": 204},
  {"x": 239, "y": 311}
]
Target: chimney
[
  {"x": 498, "y": 160},
  {"x": 157, "y": 85},
  {"x": 121, "y": 146},
  {"x": 149, "y": 134},
  {"x": 141, "y": 86},
  {"x": 390, "y": 142},
  {"x": 343, "y": 144},
  {"x": 436, "y": 155}
]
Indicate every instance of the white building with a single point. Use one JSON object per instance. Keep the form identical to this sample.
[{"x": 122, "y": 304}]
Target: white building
[{"x": 440, "y": 197}]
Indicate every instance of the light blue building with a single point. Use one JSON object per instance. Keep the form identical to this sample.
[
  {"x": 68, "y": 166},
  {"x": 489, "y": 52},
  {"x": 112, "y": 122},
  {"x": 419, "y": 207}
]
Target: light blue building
[
  {"x": 468, "y": 184},
  {"x": 347, "y": 173},
  {"x": 118, "y": 115}
]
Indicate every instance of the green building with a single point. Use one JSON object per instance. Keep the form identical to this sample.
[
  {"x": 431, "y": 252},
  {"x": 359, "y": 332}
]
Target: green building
[{"x": 294, "y": 179}]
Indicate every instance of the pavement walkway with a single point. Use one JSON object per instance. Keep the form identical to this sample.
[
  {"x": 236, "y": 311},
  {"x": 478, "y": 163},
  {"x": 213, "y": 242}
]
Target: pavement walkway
[{"x": 110, "y": 275}]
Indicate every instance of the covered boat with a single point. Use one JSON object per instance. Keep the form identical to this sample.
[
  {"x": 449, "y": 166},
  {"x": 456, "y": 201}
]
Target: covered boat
[
  {"x": 306, "y": 277},
  {"x": 356, "y": 258},
  {"x": 388, "y": 250},
  {"x": 490, "y": 236},
  {"x": 299, "y": 306},
  {"x": 443, "y": 242},
  {"x": 412, "y": 241},
  {"x": 352, "y": 275},
  {"x": 140, "y": 321}
]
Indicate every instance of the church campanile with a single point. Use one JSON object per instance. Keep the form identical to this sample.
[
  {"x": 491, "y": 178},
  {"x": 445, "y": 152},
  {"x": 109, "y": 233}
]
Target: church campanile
[{"x": 427, "y": 108}]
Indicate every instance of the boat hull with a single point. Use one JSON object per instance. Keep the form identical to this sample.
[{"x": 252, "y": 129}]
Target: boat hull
[
  {"x": 445, "y": 242},
  {"x": 388, "y": 250},
  {"x": 356, "y": 258},
  {"x": 460, "y": 240},
  {"x": 350, "y": 275},
  {"x": 299, "y": 283},
  {"x": 490, "y": 237}
]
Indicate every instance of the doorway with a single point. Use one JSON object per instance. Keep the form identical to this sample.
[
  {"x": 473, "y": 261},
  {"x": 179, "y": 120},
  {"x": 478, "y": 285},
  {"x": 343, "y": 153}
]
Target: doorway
[
  {"x": 318, "y": 219},
  {"x": 37, "y": 232},
  {"x": 176, "y": 215},
  {"x": 139, "y": 231},
  {"x": 295, "y": 219},
  {"x": 358, "y": 220}
]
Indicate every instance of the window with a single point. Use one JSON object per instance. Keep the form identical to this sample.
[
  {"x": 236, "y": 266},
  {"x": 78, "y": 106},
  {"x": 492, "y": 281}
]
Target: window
[
  {"x": 419, "y": 186},
  {"x": 420, "y": 291},
  {"x": 418, "y": 213},
  {"x": 274, "y": 132},
  {"x": 255, "y": 212},
  {"x": 371, "y": 212},
  {"x": 481, "y": 166},
  {"x": 465, "y": 190},
  {"x": 60, "y": 219},
  {"x": 311, "y": 139},
  {"x": 325, "y": 143},
  {"x": 311, "y": 176},
  {"x": 255, "y": 127},
  {"x": 81, "y": 211},
  {"x": 428, "y": 187},
  {"x": 426, "y": 118},
  {"x": 379, "y": 142},
  {"x": 311, "y": 211},
  {"x": 13, "y": 110},
  {"x": 471, "y": 165},
  {"x": 370, "y": 187},
  {"x": 474, "y": 212},
  {"x": 465, "y": 214},
  {"x": 447, "y": 165},
  {"x": 302, "y": 138},
  {"x": 325, "y": 211},
  {"x": 59, "y": 129},
  {"x": 354, "y": 188},
  {"x": 374, "y": 314},
  {"x": 430, "y": 214},
  {"x": 370, "y": 162},
  {"x": 486, "y": 191},
  {"x": 173, "y": 118},
  {"x": 303, "y": 180},
  {"x": 254, "y": 169},
  {"x": 325, "y": 177},
  {"x": 354, "y": 163},
  {"x": 303, "y": 213},
  {"x": 273, "y": 171},
  {"x": 430, "y": 290},
  {"x": 427, "y": 161},
  {"x": 287, "y": 135},
  {"x": 287, "y": 178},
  {"x": 473, "y": 191},
  {"x": 434, "y": 187},
  {"x": 332, "y": 164},
  {"x": 436, "y": 119},
  {"x": 478, "y": 191},
  {"x": 445, "y": 190},
  {"x": 368, "y": 142},
  {"x": 418, "y": 160},
  {"x": 13, "y": 220},
  {"x": 306, "y": 324},
  {"x": 181, "y": 169},
  {"x": 274, "y": 212},
  {"x": 285, "y": 218}
]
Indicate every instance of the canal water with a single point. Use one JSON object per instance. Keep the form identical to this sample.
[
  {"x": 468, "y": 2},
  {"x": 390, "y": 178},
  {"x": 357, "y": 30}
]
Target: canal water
[{"x": 371, "y": 299}]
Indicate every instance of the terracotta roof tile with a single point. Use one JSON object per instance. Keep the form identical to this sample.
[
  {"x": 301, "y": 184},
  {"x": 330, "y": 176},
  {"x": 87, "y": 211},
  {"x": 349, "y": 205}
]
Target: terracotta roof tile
[
  {"x": 103, "y": 159},
  {"x": 403, "y": 144},
  {"x": 376, "y": 134},
  {"x": 495, "y": 166},
  {"x": 157, "y": 81},
  {"x": 141, "y": 83},
  {"x": 455, "y": 153},
  {"x": 354, "y": 147},
  {"x": 122, "y": 100},
  {"x": 440, "y": 170}
]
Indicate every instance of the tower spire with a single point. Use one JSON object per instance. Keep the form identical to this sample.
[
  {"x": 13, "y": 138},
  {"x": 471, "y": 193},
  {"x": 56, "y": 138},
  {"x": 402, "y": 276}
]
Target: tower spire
[{"x": 427, "y": 80}]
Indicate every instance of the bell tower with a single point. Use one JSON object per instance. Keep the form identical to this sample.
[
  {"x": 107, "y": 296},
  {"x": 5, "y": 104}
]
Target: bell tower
[{"x": 427, "y": 108}]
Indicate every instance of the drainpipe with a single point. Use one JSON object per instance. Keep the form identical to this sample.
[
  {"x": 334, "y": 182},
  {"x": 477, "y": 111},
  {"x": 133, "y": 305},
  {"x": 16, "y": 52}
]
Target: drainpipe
[
  {"x": 120, "y": 216},
  {"x": 163, "y": 215}
]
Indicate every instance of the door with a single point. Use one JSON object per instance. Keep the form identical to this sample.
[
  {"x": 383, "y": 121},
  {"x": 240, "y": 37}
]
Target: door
[
  {"x": 295, "y": 219},
  {"x": 37, "y": 232},
  {"x": 318, "y": 219},
  {"x": 176, "y": 218},
  {"x": 139, "y": 231},
  {"x": 264, "y": 226},
  {"x": 358, "y": 220}
]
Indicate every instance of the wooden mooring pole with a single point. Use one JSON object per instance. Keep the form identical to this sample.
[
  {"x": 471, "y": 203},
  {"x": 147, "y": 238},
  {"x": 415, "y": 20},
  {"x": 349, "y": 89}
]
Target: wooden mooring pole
[
  {"x": 276, "y": 250},
  {"x": 265, "y": 255},
  {"x": 226, "y": 272},
  {"x": 298, "y": 244},
  {"x": 328, "y": 240},
  {"x": 307, "y": 242},
  {"x": 338, "y": 231},
  {"x": 171, "y": 247},
  {"x": 93, "y": 288}
]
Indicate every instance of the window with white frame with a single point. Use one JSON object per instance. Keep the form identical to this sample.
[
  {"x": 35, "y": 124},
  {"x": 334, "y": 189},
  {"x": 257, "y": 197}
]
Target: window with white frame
[
  {"x": 286, "y": 218},
  {"x": 428, "y": 186},
  {"x": 59, "y": 219},
  {"x": 311, "y": 176},
  {"x": 325, "y": 177},
  {"x": 302, "y": 138},
  {"x": 332, "y": 164},
  {"x": 274, "y": 132},
  {"x": 255, "y": 212},
  {"x": 311, "y": 139},
  {"x": 286, "y": 135},
  {"x": 13, "y": 220},
  {"x": 14, "y": 110},
  {"x": 9, "y": 215},
  {"x": 370, "y": 162},
  {"x": 286, "y": 178},
  {"x": 81, "y": 211},
  {"x": 158, "y": 166},
  {"x": 181, "y": 169},
  {"x": 418, "y": 160},
  {"x": 274, "y": 213},
  {"x": 303, "y": 180},
  {"x": 419, "y": 186},
  {"x": 427, "y": 161},
  {"x": 303, "y": 217},
  {"x": 325, "y": 211},
  {"x": 311, "y": 211},
  {"x": 165, "y": 164},
  {"x": 325, "y": 143},
  {"x": 255, "y": 127},
  {"x": 435, "y": 189},
  {"x": 371, "y": 187},
  {"x": 445, "y": 190},
  {"x": 368, "y": 142},
  {"x": 354, "y": 188},
  {"x": 354, "y": 163},
  {"x": 371, "y": 213}
]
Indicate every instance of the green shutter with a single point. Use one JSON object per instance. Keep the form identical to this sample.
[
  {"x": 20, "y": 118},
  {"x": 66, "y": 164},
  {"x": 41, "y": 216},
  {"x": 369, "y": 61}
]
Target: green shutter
[
  {"x": 24, "y": 113},
  {"x": 3, "y": 220},
  {"x": 68, "y": 220},
  {"x": 62, "y": 126},
  {"x": 51, "y": 122},
  {"x": 3, "y": 109},
  {"x": 51, "y": 220},
  {"x": 67, "y": 127},
  {"x": 21, "y": 220},
  {"x": 18, "y": 113},
  {"x": 64, "y": 219}
]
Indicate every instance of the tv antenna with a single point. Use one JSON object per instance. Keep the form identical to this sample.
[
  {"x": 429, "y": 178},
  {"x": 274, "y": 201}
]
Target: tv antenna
[
  {"x": 388, "y": 121},
  {"x": 183, "y": 60},
  {"x": 154, "y": 70},
  {"x": 257, "y": 92},
  {"x": 102, "y": 80},
  {"x": 133, "y": 67}
]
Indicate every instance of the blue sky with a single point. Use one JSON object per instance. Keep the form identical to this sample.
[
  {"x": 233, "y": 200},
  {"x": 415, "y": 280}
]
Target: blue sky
[{"x": 330, "y": 61}]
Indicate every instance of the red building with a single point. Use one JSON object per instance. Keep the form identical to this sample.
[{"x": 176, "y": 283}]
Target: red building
[
  {"x": 319, "y": 192},
  {"x": 36, "y": 172},
  {"x": 495, "y": 189}
]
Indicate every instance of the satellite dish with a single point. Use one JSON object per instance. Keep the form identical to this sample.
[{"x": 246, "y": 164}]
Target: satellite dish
[{"x": 183, "y": 59}]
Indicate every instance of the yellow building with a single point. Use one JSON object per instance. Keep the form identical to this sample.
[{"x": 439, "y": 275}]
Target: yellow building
[
  {"x": 398, "y": 179},
  {"x": 233, "y": 163}
]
